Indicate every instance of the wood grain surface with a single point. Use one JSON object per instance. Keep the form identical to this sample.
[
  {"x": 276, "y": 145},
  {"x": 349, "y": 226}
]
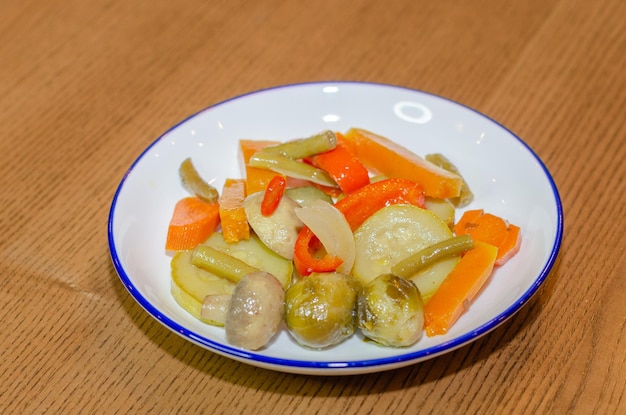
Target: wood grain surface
[{"x": 85, "y": 86}]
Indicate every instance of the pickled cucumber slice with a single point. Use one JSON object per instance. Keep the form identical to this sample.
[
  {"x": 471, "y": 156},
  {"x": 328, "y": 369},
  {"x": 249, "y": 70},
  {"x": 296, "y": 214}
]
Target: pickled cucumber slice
[
  {"x": 256, "y": 254},
  {"x": 190, "y": 284},
  {"x": 393, "y": 234}
]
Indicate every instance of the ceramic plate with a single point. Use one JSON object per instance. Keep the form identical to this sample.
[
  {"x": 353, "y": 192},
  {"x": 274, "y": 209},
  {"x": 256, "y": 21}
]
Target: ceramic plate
[{"x": 506, "y": 176}]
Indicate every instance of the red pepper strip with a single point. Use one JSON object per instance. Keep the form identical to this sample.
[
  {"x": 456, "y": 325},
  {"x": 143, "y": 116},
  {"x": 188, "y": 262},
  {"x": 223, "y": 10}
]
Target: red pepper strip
[
  {"x": 364, "y": 202},
  {"x": 345, "y": 169},
  {"x": 273, "y": 193},
  {"x": 303, "y": 259}
]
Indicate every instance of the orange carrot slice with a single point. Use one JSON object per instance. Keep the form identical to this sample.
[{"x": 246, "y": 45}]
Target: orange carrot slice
[
  {"x": 490, "y": 229},
  {"x": 232, "y": 215},
  {"x": 192, "y": 222},
  {"x": 510, "y": 246},
  {"x": 459, "y": 288},
  {"x": 394, "y": 160}
]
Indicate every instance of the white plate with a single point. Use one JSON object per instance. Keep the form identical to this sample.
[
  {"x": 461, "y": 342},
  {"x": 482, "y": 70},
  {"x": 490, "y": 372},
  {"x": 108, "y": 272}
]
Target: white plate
[{"x": 507, "y": 177}]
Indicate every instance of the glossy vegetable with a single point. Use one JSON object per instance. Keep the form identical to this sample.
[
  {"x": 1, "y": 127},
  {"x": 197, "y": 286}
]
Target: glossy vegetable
[
  {"x": 290, "y": 167},
  {"x": 305, "y": 195},
  {"x": 274, "y": 192},
  {"x": 194, "y": 184},
  {"x": 390, "y": 311},
  {"x": 191, "y": 285},
  {"x": 220, "y": 263},
  {"x": 255, "y": 311},
  {"x": 304, "y": 147},
  {"x": 459, "y": 289},
  {"x": 465, "y": 196},
  {"x": 304, "y": 259},
  {"x": 192, "y": 222},
  {"x": 320, "y": 310},
  {"x": 214, "y": 309},
  {"x": 333, "y": 231},
  {"x": 432, "y": 254},
  {"x": 257, "y": 178},
  {"x": 256, "y": 254},
  {"x": 278, "y": 231},
  {"x": 491, "y": 229},
  {"x": 232, "y": 215},
  {"x": 344, "y": 168},
  {"x": 364, "y": 202},
  {"x": 395, "y": 233},
  {"x": 393, "y": 160},
  {"x": 442, "y": 208}
]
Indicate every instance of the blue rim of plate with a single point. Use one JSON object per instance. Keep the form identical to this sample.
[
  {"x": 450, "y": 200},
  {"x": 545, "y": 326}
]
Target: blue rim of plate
[{"x": 326, "y": 367}]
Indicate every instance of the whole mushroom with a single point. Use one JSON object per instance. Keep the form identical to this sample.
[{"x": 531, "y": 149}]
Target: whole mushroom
[{"x": 255, "y": 311}]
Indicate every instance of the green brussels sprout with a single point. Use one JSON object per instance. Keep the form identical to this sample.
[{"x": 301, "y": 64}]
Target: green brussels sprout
[
  {"x": 320, "y": 310},
  {"x": 391, "y": 311}
]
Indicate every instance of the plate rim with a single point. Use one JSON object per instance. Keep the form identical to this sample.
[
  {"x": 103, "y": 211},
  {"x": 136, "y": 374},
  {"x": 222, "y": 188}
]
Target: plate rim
[{"x": 338, "y": 366}]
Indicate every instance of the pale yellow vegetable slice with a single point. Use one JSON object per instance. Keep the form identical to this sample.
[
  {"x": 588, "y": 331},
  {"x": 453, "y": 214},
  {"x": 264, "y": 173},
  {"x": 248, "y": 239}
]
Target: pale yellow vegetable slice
[
  {"x": 279, "y": 230},
  {"x": 190, "y": 284},
  {"x": 254, "y": 253},
  {"x": 393, "y": 234}
]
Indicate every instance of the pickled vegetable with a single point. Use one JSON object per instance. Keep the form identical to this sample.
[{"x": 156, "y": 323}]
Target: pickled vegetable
[
  {"x": 306, "y": 195},
  {"x": 331, "y": 228},
  {"x": 304, "y": 147},
  {"x": 279, "y": 230},
  {"x": 390, "y": 311},
  {"x": 196, "y": 185},
  {"x": 220, "y": 263},
  {"x": 432, "y": 254},
  {"x": 255, "y": 311},
  {"x": 320, "y": 310},
  {"x": 191, "y": 285},
  {"x": 465, "y": 196},
  {"x": 214, "y": 309},
  {"x": 290, "y": 167},
  {"x": 443, "y": 208},
  {"x": 254, "y": 253}
]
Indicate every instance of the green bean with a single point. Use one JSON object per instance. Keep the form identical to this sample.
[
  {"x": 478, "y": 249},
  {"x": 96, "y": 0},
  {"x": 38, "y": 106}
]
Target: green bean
[
  {"x": 220, "y": 263},
  {"x": 289, "y": 167},
  {"x": 466, "y": 196},
  {"x": 430, "y": 255},
  {"x": 305, "y": 147},
  {"x": 194, "y": 184}
]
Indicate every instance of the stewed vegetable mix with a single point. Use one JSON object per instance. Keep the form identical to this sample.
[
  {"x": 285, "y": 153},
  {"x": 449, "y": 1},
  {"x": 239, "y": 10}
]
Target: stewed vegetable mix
[{"x": 333, "y": 234}]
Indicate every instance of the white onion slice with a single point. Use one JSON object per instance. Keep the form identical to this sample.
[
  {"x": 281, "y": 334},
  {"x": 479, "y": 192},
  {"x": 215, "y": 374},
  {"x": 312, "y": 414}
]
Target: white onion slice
[{"x": 331, "y": 228}]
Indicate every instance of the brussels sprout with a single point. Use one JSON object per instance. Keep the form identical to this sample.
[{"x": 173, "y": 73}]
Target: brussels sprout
[
  {"x": 320, "y": 310},
  {"x": 391, "y": 311}
]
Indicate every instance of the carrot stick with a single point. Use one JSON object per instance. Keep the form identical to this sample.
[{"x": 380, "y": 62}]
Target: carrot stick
[
  {"x": 232, "y": 215},
  {"x": 394, "y": 160},
  {"x": 192, "y": 222},
  {"x": 459, "y": 288},
  {"x": 490, "y": 229}
]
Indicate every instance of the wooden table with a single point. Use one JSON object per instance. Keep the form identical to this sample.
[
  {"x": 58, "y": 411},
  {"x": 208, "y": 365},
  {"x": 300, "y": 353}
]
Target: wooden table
[{"x": 86, "y": 86}]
